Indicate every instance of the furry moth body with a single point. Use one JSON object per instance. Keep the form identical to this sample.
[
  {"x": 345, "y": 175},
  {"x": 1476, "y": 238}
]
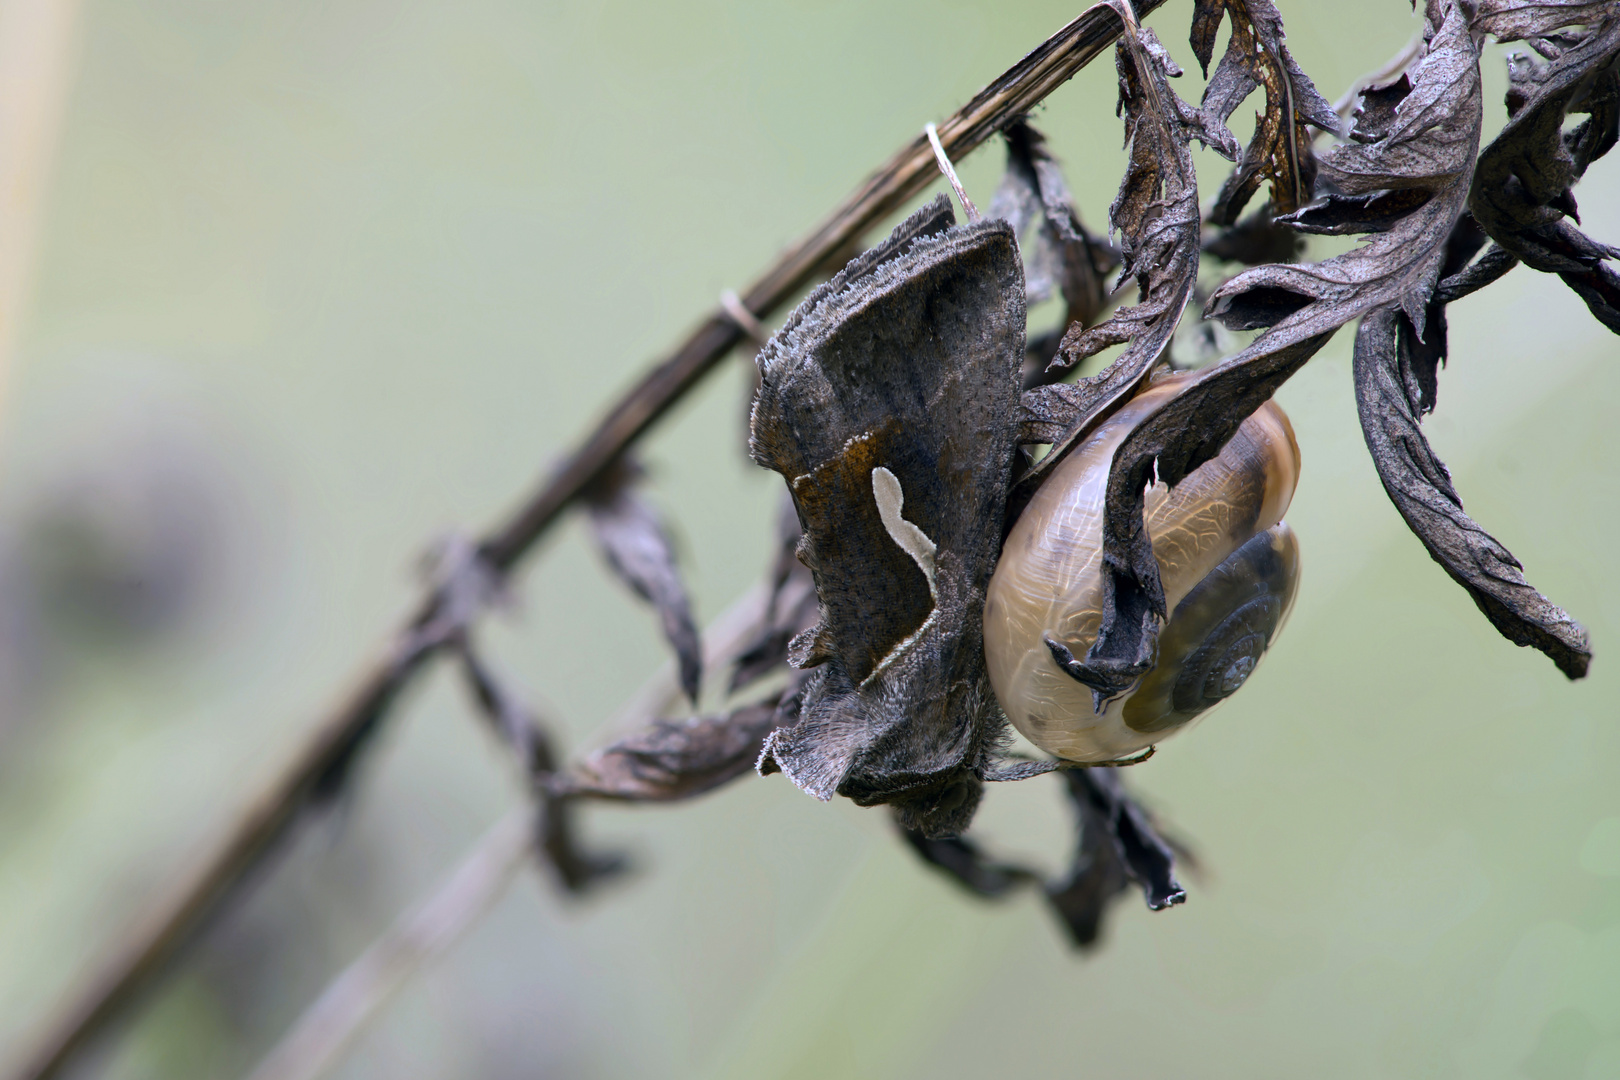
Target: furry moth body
[{"x": 887, "y": 403}]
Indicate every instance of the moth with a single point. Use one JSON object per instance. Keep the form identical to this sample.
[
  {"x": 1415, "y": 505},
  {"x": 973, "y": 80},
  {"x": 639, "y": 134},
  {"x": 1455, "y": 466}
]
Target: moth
[{"x": 888, "y": 402}]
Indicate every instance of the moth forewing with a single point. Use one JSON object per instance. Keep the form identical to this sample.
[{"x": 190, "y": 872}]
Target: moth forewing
[{"x": 888, "y": 402}]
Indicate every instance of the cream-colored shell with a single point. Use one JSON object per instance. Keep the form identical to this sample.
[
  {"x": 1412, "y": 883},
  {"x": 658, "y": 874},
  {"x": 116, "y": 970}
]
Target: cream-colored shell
[{"x": 1049, "y": 579}]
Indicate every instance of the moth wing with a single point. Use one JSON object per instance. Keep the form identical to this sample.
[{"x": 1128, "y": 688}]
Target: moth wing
[{"x": 909, "y": 361}]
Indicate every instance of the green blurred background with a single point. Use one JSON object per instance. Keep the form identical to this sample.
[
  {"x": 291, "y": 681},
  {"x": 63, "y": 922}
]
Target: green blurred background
[{"x": 321, "y": 282}]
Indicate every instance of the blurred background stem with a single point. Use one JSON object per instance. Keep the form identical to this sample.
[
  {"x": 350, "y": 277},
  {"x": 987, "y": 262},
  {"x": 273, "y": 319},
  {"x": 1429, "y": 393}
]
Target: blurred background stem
[{"x": 36, "y": 72}]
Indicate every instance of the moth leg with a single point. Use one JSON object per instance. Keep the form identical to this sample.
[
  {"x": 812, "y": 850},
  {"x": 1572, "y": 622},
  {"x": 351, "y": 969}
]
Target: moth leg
[{"x": 1122, "y": 763}]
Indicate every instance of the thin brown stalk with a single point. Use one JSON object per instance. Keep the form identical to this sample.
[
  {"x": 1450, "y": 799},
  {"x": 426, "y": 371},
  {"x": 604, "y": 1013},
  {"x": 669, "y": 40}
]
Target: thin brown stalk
[
  {"x": 332, "y": 743},
  {"x": 432, "y": 925},
  {"x": 425, "y": 932}
]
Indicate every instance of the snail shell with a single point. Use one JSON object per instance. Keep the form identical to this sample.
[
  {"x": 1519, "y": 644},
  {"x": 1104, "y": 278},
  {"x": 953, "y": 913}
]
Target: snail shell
[{"x": 1228, "y": 563}]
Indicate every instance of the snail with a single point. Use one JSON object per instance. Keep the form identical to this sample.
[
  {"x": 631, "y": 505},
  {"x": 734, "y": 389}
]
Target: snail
[{"x": 1229, "y": 566}]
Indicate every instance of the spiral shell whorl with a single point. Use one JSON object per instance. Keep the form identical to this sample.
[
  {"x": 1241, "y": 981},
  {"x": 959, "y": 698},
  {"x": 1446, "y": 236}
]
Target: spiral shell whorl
[{"x": 1228, "y": 567}]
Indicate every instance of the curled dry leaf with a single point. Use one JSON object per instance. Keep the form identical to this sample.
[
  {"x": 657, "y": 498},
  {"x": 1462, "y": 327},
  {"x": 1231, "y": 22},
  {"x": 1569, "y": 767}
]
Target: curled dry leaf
[
  {"x": 673, "y": 759},
  {"x": 967, "y": 864},
  {"x": 1487, "y": 268},
  {"x": 1406, "y": 177},
  {"x": 1116, "y": 845},
  {"x": 1518, "y": 20},
  {"x": 1156, "y": 215},
  {"x": 556, "y": 841},
  {"x": 1394, "y": 384},
  {"x": 1169, "y": 443},
  {"x": 636, "y": 545},
  {"x": 1256, "y": 55},
  {"x": 1256, "y": 239},
  {"x": 1415, "y": 144},
  {"x": 1521, "y": 191},
  {"x": 1403, "y": 178},
  {"x": 1060, "y": 255},
  {"x": 1104, "y": 807}
]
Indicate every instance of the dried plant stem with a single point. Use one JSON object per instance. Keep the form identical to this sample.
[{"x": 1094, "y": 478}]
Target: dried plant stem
[
  {"x": 36, "y": 53},
  {"x": 422, "y": 934},
  {"x": 333, "y": 741},
  {"x": 432, "y": 925},
  {"x": 723, "y": 639}
]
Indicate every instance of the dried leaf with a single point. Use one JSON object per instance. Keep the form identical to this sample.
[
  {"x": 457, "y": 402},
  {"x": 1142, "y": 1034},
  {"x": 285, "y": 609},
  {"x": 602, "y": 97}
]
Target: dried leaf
[
  {"x": 1427, "y": 144},
  {"x": 512, "y": 722},
  {"x": 967, "y": 864},
  {"x": 1061, "y": 256},
  {"x": 1117, "y": 845},
  {"x": 1169, "y": 443},
  {"x": 1255, "y": 240},
  {"x": 1098, "y": 877},
  {"x": 1156, "y": 215},
  {"x": 673, "y": 759},
  {"x": 638, "y": 548},
  {"x": 1424, "y": 142},
  {"x": 1406, "y": 184},
  {"x": 1487, "y": 268},
  {"x": 1256, "y": 55},
  {"x": 556, "y": 842},
  {"x": 790, "y": 610},
  {"x": 1516, "y": 20},
  {"x": 1394, "y": 382},
  {"x": 1406, "y": 176},
  {"x": 1521, "y": 190}
]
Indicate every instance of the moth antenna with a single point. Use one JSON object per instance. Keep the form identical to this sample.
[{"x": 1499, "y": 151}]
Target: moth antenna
[
  {"x": 968, "y": 208},
  {"x": 738, "y": 313}
]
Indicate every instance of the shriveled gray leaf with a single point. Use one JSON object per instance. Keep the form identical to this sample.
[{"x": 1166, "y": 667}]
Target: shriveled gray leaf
[
  {"x": 1060, "y": 256},
  {"x": 886, "y": 405},
  {"x": 1257, "y": 55},
  {"x": 1156, "y": 216},
  {"x": 556, "y": 842},
  {"x": 1516, "y": 20},
  {"x": 1116, "y": 845},
  {"x": 635, "y": 543},
  {"x": 1521, "y": 190},
  {"x": 673, "y": 759},
  {"x": 1117, "y": 841},
  {"x": 1421, "y": 152},
  {"x": 1394, "y": 383},
  {"x": 1489, "y": 267},
  {"x": 967, "y": 864},
  {"x": 1256, "y": 239},
  {"x": 1406, "y": 177},
  {"x": 1424, "y": 141}
]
